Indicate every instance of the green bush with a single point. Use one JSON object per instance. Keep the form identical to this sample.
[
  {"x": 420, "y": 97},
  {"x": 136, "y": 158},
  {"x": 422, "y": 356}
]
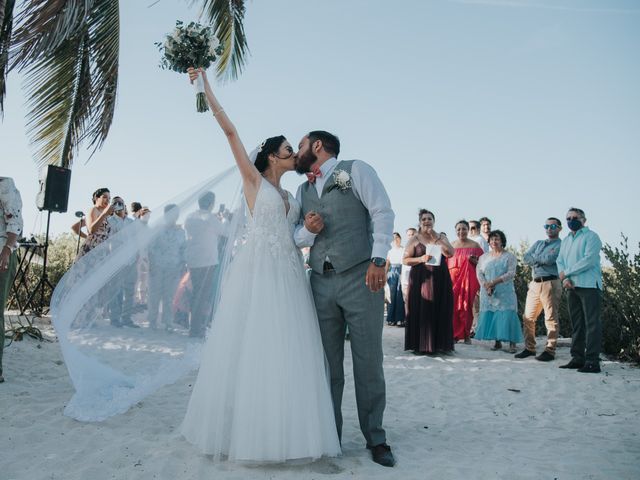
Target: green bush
[{"x": 621, "y": 302}]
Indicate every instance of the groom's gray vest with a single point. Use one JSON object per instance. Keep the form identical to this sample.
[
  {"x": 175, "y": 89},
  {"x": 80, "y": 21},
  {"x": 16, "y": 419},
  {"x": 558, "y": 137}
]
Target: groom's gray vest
[{"x": 346, "y": 238}]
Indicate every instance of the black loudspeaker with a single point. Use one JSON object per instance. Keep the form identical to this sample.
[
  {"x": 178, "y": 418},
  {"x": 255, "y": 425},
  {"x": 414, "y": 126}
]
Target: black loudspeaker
[{"x": 54, "y": 189}]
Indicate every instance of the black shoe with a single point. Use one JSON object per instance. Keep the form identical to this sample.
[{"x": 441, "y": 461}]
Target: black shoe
[
  {"x": 573, "y": 365},
  {"x": 524, "y": 354},
  {"x": 129, "y": 323},
  {"x": 382, "y": 455},
  {"x": 545, "y": 357},
  {"x": 590, "y": 368}
]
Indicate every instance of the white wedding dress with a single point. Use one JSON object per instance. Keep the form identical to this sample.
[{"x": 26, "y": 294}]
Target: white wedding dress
[{"x": 262, "y": 393}]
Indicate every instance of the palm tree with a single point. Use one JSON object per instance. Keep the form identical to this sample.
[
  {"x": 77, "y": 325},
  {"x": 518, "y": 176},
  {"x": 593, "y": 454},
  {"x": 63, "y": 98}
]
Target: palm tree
[{"x": 68, "y": 52}]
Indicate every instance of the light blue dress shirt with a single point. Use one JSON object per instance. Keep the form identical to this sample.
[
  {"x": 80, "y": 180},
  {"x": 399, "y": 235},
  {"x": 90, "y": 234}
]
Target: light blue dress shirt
[
  {"x": 579, "y": 258},
  {"x": 542, "y": 257}
]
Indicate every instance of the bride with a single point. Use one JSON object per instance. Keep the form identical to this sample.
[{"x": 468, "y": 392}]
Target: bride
[{"x": 262, "y": 393}]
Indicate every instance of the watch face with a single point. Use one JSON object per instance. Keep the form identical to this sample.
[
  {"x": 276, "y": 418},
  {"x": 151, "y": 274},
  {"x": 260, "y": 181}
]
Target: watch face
[{"x": 379, "y": 262}]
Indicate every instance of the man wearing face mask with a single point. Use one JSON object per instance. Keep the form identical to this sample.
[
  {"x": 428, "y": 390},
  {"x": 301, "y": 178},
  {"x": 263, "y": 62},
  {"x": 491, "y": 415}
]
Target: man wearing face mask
[
  {"x": 579, "y": 271},
  {"x": 544, "y": 293}
]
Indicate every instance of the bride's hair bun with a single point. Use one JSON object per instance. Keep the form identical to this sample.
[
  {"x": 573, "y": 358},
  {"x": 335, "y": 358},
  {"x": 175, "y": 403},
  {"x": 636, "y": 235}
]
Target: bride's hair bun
[{"x": 269, "y": 146}]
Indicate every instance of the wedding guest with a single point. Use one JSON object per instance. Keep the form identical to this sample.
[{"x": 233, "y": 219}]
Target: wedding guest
[
  {"x": 141, "y": 214},
  {"x": 204, "y": 231},
  {"x": 429, "y": 327},
  {"x": 96, "y": 221},
  {"x": 544, "y": 293},
  {"x": 166, "y": 266},
  {"x": 462, "y": 268},
  {"x": 404, "y": 273},
  {"x": 498, "y": 303},
  {"x": 10, "y": 229},
  {"x": 138, "y": 211},
  {"x": 581, "y": 276},
  {"x": 485, "y": 228},
  {"x": 395, "y": 310},
  {"x": 123, "y": 284},
  {"x": 476, "y": 236}
]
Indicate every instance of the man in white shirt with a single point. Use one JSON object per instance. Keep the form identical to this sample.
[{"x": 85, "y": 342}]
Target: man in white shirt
[
  {"x": 10, "y": 229},
  {"x": 474, "y": 234},
  {"x": 348, "y": 223},
  {"x": 204, "y": 231},
  {"x": 124, "y": 284}
]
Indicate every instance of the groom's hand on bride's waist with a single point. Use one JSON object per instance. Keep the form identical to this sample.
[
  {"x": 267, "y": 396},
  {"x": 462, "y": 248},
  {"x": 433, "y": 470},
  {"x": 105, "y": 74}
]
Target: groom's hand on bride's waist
[
  {"x": 313, "y": 222},
  {"x": 375, "y": 278}
]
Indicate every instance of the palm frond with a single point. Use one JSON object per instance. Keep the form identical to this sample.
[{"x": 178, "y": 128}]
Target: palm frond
[
  {"x": 104, "y": 41},
  {"x": 227, "y": 17},
  {"x": 6, "y": 27},
  {"x": 72, "y": 89},
  {"x": 43, "y": 25},
  {"x": 58, "y": 87}
]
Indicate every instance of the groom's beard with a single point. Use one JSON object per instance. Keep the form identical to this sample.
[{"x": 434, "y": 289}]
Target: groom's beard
[{"x": 304, "y": 162}]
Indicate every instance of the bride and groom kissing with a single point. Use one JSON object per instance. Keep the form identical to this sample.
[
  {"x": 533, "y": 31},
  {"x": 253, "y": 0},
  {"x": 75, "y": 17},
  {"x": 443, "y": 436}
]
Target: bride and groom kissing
[{"x": 263, "y": 392}]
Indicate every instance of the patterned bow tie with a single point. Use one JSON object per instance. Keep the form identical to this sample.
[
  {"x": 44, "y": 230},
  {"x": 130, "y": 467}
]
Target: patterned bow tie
[{"x": 315, "y": 173}]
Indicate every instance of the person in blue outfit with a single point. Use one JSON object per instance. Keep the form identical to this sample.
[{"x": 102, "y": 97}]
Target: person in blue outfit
[
  {"x": 498, "y": 303},
  {"x": 581, "y": 276}
]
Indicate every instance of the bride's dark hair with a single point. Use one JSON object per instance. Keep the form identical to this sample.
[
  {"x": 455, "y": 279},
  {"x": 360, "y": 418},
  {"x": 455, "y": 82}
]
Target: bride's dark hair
[{"x": 269, "y": 146}]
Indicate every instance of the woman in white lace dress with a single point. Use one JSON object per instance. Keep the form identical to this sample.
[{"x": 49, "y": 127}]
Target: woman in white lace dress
[{"x": 262, "y": 394}]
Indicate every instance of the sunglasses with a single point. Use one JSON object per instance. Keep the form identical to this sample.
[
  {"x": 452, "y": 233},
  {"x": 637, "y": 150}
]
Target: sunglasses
[{"x": 553, "y": 226}]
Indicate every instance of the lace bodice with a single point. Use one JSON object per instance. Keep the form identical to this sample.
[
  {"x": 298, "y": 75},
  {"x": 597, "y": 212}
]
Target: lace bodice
[{"x": 270, "y": 224}]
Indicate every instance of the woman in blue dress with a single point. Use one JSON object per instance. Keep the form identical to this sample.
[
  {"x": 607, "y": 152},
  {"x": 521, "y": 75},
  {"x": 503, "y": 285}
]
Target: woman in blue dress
[{"x": 498, "y": 304}]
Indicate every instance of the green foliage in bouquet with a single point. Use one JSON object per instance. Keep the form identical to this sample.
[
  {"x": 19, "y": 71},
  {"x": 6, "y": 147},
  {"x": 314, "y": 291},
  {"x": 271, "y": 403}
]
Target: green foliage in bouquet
[
  {"x": 193, "y": 45},
  {"x": 190, "y": 46}
]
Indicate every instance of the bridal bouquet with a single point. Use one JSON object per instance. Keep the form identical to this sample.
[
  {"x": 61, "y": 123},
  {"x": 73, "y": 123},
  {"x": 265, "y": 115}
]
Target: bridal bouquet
[{"x": 193, "y": 45}]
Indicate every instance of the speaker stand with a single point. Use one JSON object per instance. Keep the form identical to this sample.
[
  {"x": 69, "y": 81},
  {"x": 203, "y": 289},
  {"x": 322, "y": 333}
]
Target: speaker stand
[{"x": 39, "y": 309}]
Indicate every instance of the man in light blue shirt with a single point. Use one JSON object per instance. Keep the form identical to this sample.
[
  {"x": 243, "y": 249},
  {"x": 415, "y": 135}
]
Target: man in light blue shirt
[
  {"x": 579, "y": 271},
  {"x": 544, "y": 293}
]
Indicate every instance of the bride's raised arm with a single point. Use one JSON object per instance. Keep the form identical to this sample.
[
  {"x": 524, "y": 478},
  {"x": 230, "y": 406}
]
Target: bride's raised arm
[{"x": 250, "y": 175}]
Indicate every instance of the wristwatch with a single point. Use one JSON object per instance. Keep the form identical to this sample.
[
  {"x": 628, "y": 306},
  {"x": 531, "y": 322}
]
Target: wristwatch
[{"x": 378, "y": 261}]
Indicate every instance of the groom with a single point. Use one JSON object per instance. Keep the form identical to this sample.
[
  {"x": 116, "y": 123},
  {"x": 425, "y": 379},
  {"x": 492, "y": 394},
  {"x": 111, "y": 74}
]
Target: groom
[{"x": 347, "y": 221}]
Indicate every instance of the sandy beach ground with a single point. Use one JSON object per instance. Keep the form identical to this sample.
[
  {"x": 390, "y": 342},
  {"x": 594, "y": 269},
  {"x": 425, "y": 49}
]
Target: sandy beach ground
[{"x": 476, "y": 414}]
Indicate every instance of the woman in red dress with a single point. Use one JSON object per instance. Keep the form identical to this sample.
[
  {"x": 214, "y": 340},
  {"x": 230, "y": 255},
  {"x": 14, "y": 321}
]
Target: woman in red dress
[{"x": 462, "y": 268}]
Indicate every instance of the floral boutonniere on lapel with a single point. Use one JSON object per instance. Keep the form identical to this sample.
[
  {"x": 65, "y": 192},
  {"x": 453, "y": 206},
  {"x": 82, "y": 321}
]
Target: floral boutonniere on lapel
[{"x": 342, "y": 179}]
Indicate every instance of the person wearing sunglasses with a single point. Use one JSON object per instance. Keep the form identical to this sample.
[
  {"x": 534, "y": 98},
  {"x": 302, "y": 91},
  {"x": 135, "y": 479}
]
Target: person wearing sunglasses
[
  {"x": 581, "y": 275},
  {"x": 544, "y": 293}
]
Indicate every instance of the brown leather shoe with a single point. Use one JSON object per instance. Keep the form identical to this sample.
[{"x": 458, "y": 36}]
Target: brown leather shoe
[{"x": 382, "y": 455}]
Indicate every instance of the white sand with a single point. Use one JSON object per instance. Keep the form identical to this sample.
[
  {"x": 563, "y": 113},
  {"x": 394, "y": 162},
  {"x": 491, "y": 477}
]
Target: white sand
[{"x": 450, "y": 417}]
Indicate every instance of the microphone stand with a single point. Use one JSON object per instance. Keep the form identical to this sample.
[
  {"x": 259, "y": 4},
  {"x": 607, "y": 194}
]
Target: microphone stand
[{"x": 80, "y": 215}]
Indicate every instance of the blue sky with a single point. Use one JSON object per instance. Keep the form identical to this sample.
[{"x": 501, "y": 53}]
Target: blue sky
[{"x": 511, "y": 109}]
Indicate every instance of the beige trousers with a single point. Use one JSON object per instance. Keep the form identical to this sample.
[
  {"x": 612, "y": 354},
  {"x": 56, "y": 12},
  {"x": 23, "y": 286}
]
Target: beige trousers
[{"x": 542, "y": 296}]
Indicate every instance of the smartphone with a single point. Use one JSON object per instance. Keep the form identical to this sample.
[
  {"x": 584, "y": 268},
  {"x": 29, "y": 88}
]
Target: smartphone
[{"x": 221, "y": 208}]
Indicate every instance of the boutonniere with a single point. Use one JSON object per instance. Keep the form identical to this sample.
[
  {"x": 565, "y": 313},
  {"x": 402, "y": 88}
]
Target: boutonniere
[{"x": 342, "y": 179}]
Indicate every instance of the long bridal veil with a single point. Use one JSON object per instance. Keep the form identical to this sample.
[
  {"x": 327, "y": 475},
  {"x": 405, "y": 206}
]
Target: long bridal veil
[{"x": 123, "y": 311}]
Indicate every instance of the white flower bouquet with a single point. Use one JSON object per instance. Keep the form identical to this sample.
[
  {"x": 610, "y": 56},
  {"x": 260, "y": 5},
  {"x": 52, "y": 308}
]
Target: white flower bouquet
[{"x": 193, "y": 45}]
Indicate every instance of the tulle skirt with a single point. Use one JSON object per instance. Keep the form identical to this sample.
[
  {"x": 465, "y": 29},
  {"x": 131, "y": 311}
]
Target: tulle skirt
[
  {"x": 503, "y": 325},
  {"x": 262, "y": 393}
]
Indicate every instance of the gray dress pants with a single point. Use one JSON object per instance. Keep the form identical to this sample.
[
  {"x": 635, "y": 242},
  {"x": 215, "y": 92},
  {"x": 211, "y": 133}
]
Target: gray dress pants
[{"x": 342, "y": 299}]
